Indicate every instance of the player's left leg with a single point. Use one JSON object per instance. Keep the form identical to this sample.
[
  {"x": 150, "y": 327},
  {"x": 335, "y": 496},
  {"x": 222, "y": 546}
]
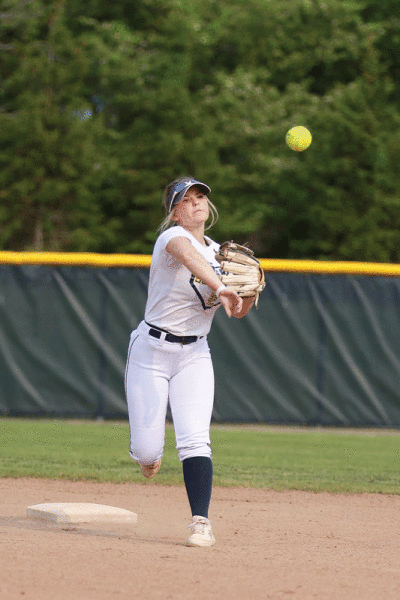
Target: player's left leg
[{"x": 191, "y": 400}]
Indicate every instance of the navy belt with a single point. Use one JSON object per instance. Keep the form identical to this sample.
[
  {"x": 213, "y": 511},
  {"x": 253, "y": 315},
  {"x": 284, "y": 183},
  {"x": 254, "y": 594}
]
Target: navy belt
[{"x": 170, "y": 337}]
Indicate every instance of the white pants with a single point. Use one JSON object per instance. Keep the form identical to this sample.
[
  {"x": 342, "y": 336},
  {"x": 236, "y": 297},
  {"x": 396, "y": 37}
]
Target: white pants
[{"x": 158, "y": 371}]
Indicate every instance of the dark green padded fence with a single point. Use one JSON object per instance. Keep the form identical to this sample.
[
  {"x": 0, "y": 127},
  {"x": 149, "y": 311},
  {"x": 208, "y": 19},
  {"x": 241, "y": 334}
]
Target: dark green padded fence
[{"x": 320, "y": 349}]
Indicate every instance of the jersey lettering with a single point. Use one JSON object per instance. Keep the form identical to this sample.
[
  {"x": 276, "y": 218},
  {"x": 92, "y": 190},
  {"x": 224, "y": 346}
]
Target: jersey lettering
[{"x": 203, "y": 293}]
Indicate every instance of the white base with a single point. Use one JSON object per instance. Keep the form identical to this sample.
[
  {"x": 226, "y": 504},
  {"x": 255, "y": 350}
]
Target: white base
[{"x": 80, "y": 512}]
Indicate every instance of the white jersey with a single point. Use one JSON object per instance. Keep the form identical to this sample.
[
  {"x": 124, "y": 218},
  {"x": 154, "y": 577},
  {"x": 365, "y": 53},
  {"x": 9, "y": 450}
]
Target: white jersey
[{"x": 178, "y": 301}]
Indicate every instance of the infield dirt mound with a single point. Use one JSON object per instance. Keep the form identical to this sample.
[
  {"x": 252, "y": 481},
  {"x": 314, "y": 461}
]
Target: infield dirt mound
[{"x": 270, "y": 545}]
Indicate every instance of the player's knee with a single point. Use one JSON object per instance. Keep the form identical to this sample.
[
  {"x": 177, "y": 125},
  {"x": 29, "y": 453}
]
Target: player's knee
[
  {"x": 146, "y": 446},
  {"x": 192, "y": 451},
  {"x": 145, "y": 455}
]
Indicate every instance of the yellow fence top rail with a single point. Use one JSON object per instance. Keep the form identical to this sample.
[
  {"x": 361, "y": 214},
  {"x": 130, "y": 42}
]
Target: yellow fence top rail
[
  {"x": 331, "y": 267},
  {"x": 91, "y": 259},
  {"x": 75, "y": 259}
]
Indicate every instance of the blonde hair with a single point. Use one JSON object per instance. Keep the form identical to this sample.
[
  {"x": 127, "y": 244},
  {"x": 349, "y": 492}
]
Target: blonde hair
[{"x": 167, "y": 222}]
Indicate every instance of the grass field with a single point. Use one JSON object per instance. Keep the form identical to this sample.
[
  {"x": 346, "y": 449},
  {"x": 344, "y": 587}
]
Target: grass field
[{"x": 261, "y": 457}]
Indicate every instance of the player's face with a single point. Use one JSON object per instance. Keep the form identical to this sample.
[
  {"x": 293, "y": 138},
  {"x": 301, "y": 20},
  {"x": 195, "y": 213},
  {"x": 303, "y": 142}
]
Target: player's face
[{"x": 192, "y": 209}]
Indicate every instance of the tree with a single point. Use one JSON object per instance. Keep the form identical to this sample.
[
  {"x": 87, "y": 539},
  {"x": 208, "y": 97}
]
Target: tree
[
  {"x": 103, "y": 104},
  {"x": 49, "y": 136}
]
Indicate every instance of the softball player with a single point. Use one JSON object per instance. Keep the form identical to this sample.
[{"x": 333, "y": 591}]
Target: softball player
[{"x": 169, "y": 358}]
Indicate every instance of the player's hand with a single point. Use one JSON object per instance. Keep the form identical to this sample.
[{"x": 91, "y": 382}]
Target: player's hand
[{"x": 231, "y": 301}]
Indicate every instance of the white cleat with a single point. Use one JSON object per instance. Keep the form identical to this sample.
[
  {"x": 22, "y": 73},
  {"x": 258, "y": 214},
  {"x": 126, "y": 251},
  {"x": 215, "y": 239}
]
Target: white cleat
[
  {"x": 150, "y": 470},
  {"x": 202, "y": 534}
]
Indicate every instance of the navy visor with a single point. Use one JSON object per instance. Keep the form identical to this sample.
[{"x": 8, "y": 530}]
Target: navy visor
[{"x": 180, "y": 189}]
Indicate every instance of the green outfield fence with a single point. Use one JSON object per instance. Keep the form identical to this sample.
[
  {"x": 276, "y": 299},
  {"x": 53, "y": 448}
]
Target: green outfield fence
[{"x": 323, "y": 347}]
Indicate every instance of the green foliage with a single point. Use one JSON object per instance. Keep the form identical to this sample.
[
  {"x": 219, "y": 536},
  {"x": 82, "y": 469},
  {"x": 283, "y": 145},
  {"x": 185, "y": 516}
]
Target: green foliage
[
  {"x": 103, "y": 104},
  {"x": 49, "y": 148}
]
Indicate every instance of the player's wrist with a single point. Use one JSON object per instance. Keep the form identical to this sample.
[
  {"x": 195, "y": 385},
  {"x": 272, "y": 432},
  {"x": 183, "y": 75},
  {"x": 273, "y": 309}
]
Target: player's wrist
[{"x": 220, "y": 289}]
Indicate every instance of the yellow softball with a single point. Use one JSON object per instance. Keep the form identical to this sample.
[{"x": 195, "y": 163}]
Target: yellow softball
[{"x": 298, "y": 138}]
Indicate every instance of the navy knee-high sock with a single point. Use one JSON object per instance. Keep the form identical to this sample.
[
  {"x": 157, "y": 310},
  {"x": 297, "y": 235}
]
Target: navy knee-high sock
[{"x": 198, "y": 474}]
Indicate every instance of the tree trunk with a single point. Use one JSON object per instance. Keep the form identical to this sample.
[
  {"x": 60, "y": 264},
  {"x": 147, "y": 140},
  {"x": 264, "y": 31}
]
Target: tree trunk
[{"x": 38, "y": 236}]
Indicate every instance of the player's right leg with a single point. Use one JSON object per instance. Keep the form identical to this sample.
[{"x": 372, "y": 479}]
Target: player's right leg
[{"x": 146, "y": 387}]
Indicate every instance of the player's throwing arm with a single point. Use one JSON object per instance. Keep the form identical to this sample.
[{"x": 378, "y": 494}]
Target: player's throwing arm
[{"x": 185, "y": 252}]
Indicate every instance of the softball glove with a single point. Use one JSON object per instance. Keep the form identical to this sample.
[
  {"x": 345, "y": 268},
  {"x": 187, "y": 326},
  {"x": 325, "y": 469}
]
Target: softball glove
[{"x": 241, "y": 270}]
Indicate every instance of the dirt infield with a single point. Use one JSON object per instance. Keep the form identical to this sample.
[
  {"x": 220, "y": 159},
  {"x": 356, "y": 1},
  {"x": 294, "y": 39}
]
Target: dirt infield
[{"x": 270, "y": 546}]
